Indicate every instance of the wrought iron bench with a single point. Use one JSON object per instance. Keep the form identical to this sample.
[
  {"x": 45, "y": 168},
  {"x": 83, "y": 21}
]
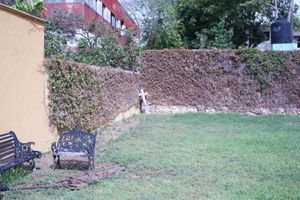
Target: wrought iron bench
[
  {"x": 13, "y": 152},
  {"x": 74, "y": 143}
]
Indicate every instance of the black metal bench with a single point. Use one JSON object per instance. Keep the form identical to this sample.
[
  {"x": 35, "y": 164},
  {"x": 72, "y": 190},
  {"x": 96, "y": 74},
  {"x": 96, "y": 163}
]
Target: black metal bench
[
  {"x": 13, "y": 152},
  {"x": 75, "y": 143}
]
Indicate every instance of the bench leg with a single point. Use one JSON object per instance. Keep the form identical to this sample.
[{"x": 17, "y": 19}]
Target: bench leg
[
  {"x": 91, "y": 163},
  {"x": 32, "y": 164},
  {"x": 56, "y": 162}
]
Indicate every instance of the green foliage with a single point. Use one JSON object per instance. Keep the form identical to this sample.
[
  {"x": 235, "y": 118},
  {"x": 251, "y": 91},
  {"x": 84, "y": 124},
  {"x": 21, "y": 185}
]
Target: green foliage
[
  {"x": 265, "y": 66},
  {"x": 215, "y": 37},
  {"x": 87, "y": 96},
  {"x": 55, "y": 42},
  {"x": 283, "y": 8},
  {"x": 98, "y": 45},
  {"x": 206, "y": 24},
  {"x": 163, "y": 26},
  {"x": 12, "y": 175},
  {"x": 33, "y": 7},
  {"x": 75, "y": 96},
  {"x": 239, "y": 22},
  {"x": 132, "y": 52},
  {"x": 296, "y": 23},
  {"x": 107, "y": 52}
]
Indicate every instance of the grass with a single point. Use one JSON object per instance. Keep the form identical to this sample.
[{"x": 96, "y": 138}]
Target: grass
[
  {"x": 196, "y": 156},
  {"x": 12, "y": 175}
]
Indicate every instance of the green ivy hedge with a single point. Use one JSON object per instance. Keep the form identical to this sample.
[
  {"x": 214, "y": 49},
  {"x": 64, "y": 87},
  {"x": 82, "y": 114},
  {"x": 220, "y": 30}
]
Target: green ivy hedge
[
  {"x": 87, "y": 97},
  {"x": 75, "y": 95},
  {"x": 265, "y": 66},
  {"x": 240, "y": 80}
]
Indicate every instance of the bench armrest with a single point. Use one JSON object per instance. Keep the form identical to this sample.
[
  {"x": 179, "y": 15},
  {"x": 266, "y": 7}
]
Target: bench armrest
[
  {"x": 29, "y": 143},
  {"x": 26, "y": 146}
]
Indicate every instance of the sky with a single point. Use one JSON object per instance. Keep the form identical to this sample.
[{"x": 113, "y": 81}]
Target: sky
[{"x": 298, "y": 2}]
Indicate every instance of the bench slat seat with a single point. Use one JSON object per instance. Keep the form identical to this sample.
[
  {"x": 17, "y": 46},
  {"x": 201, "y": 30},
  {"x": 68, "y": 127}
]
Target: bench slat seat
[
  {"x": 13, "y": 152},
  {"x": 72, "y": 154}
]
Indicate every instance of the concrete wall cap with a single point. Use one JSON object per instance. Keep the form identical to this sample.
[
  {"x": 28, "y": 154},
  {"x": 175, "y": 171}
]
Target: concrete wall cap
[{"x": 22, "y": 14}]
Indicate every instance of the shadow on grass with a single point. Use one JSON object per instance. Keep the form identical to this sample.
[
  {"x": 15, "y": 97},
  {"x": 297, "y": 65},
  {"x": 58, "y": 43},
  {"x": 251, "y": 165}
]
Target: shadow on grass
[{"x": 73, "y": 165}]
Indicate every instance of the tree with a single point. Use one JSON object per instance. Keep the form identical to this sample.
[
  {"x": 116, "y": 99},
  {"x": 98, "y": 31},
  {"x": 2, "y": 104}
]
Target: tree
[
  {"x": 33, "y": 7},
  {"x": 159, "y": 23},
  {"x": 280, "y": 9},
  {"x": 97, "y": 44},
  {"x": 55, "y": 42},
  {"x": 248, "y": 23},
  {"x": 200, "y": 17},
  {"x": 245, "y": 18},
  {"x": 208, "y": 24},
  {"x": 291, "y": 9},
  {"x": 216, "y": 37}
]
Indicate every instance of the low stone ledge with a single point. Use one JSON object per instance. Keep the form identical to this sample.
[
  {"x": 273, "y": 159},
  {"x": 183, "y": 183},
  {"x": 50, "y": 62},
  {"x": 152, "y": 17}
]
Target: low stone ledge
[
  {"x": 156, "y": 109},
  {"x": 171, "y": 109}
]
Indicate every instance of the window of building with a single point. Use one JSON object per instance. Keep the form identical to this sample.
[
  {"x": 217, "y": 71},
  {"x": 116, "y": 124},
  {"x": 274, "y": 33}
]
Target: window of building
[
  {"x": 123, "y": 28},
  {"x": 113, "y": 21},
  {"x": 99, "y": 7},
  {"x": 118, "y": 24},
  {"x": 103, "y": 9},
  {"x": 90, "y": 3},
  {"x": 96, "y": 5},
  {"x": 107, "y": 15}
]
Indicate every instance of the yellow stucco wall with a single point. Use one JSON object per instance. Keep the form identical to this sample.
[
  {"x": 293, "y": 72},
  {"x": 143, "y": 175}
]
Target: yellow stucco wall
[{"x": 22, "y": 81}]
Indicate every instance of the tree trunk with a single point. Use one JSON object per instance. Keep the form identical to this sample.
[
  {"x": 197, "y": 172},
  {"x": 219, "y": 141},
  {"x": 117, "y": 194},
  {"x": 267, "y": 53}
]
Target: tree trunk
[
  {"x": 291, "y": 10},
  {"x": 276, "y": 9}
]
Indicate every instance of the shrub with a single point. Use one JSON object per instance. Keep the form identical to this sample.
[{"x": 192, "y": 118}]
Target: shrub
[
  {"x": 87, "y": 97},
  {"x": 98, "y": 45},
  {"x": 265, "y": 66},
  {"x": 75, "y": 95},
  {"x": 55, "y": 42}
]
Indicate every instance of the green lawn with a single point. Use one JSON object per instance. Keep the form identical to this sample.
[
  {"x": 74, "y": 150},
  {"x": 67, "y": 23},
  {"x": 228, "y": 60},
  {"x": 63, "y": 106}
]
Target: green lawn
[{"x": 196, "y": 156}]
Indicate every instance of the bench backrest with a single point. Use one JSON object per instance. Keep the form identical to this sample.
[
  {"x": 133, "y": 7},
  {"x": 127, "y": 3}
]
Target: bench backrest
[
  {"x": 77, "y": 141},
  {"x": 8, "y": 147}
]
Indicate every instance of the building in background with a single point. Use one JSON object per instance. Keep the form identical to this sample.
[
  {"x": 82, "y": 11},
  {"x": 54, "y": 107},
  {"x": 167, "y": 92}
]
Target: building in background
[{"x": 111, "y": 12}]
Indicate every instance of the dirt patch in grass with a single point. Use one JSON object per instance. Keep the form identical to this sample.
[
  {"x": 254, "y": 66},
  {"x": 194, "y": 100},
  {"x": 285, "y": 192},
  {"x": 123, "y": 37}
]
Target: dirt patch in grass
[{"x": 112, "y": 133}]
